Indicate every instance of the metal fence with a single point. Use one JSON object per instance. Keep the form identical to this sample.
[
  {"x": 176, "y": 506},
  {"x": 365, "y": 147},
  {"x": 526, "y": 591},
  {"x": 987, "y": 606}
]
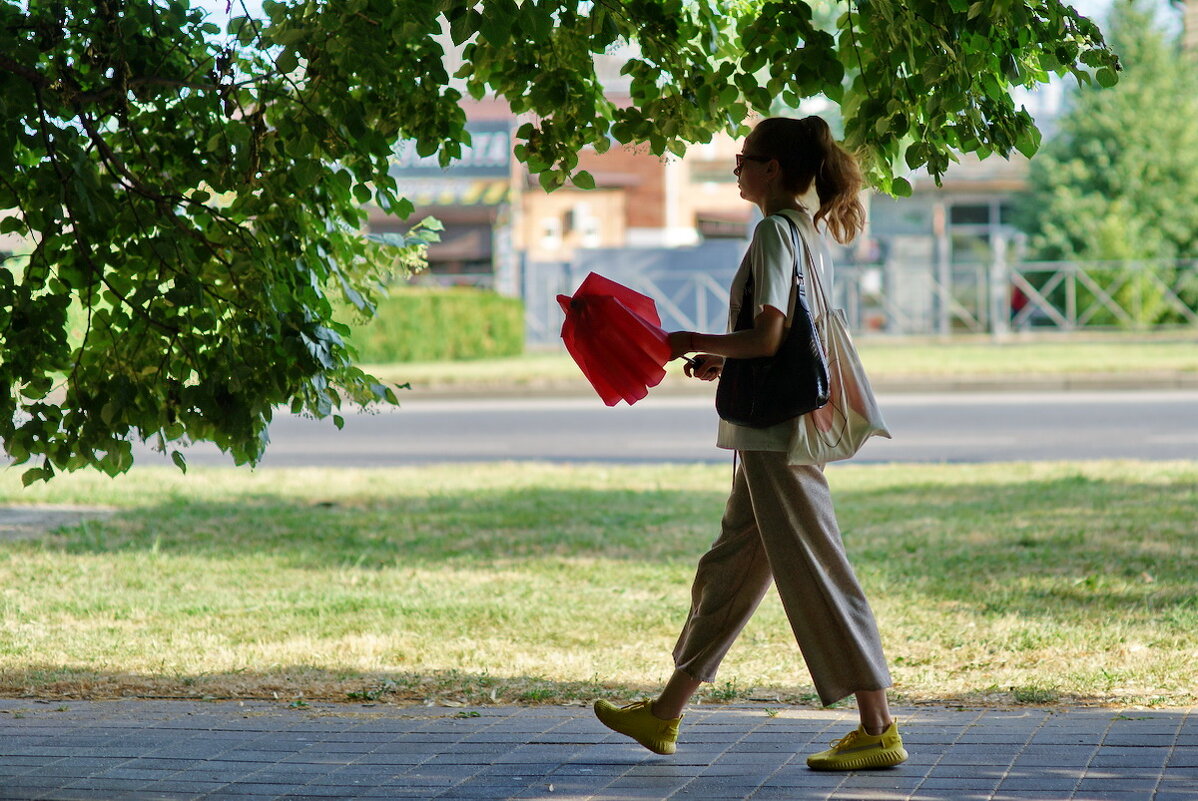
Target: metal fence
[
  {"x": 689, "y": 285},
  {"x": 690, "y": 288}
]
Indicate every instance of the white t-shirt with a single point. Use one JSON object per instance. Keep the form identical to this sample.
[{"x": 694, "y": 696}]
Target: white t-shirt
[{"x": 771, "y": 259}]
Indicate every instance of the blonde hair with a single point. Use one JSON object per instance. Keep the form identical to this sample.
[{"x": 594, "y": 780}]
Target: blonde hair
[{"x": 808, "y": 154}]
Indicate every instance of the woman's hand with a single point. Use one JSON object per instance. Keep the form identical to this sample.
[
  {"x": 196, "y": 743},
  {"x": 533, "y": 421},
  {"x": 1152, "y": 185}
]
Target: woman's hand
[{"x": 706, "y": 367}]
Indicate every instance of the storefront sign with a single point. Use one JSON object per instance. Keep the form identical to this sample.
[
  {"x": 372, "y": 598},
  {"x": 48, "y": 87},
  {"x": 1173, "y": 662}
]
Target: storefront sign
[{"x": 489, "y": 154}]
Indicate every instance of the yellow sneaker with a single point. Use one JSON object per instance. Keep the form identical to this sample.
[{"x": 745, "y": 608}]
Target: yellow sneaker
[
  {"x": 859, "y": 751},
  {"x": 638, "y": 722}
]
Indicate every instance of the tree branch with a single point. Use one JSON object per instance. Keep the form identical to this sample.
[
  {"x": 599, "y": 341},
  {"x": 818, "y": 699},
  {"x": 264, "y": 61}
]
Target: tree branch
[
  {"x": 857, "y": 52},
  {"x": 83, "y": 248}
]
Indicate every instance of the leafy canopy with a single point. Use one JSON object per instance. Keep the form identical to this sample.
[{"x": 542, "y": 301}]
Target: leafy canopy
[{"x": 193, "y": 195}]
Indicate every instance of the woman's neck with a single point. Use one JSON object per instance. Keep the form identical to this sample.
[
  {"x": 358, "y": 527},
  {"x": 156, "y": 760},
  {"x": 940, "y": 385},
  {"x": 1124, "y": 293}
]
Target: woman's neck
[{"x": 776, "y": 203}]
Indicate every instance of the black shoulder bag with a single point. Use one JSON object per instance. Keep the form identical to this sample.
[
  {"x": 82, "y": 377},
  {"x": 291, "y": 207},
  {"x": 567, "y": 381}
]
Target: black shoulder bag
[{"x": 765, "y": 391}]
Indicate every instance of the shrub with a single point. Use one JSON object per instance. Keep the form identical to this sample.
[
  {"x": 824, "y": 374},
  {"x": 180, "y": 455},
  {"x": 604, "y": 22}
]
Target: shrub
[{"x": 418, "y": 324}]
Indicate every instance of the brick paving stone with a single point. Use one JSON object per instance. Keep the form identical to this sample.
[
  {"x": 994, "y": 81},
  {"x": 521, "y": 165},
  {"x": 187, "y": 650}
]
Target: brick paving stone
[
  {"x": 135, "y": 773},
  {"x": 74, "y": 769},
  {"x": 855, "y": 794},
  {"x": 972, "y": 755},
  {"x": 1181, "y": 772},
  {"x": 802, "y": 777},
  {"x": 754, "y": 757},
  {"x": 98, "y": 783},
  {"x": 790, "y": 794},
  {"x": 588, "y": 769},
  {"x": 713, "y": 787},
  {"x": 777, "y": 734},
  {"x": 977, "y": 783},
  {"x": 969, "y": 771},
  {"x": 1129, "y": 758},
  {"x": 733, "y": 769},
  {"x": 80, "y": 794},
  {"x": 259, "y": 789},
  {"x": 1144, "y": 786},
  {"x": 1042, "y": 783},
  {"x": 172, "y": 785},
  {"x": 1053, "y": 757},
  {"x": 883, "y": 779},
  {"x": 758, "y": 747},
  {"x": 1184, "y": 757},
  {"x": 924, "y": 755},
  {"x": 680, "y": 772}
]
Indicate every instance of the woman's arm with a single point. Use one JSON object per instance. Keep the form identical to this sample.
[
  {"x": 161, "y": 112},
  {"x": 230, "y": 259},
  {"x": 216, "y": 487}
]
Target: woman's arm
[{"x": 763, "y": 339}]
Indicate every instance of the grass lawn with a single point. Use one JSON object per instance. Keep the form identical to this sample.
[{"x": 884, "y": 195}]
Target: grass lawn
[
  {"x": 1002, "y": 583},
  {"x": 961, "y": 358}
]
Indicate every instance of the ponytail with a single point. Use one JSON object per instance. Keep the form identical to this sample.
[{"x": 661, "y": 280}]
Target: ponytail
[{"x": 809, "y": 155}]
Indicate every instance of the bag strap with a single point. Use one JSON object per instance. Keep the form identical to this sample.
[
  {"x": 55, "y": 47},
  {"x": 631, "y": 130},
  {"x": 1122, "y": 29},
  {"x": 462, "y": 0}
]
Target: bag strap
[
  {"x": 748, "y": 305},
  {"x": 817, "y": 295}
]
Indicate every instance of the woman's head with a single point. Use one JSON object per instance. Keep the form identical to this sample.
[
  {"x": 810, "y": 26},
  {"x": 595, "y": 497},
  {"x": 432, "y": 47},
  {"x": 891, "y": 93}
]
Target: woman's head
[{"x": 807, "y": 154}]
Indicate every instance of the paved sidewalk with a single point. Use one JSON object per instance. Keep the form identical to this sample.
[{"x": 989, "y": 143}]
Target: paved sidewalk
[{"x": 230, "y": 751}]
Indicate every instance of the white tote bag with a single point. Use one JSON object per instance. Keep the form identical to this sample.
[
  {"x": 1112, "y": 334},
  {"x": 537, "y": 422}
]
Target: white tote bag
[{"x": 838, "y": 429}]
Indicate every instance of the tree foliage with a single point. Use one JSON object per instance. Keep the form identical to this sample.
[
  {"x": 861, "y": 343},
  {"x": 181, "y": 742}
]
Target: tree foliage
[
  {"x": 1119, "y": 180},
  {"x": 193, "y": 195}
]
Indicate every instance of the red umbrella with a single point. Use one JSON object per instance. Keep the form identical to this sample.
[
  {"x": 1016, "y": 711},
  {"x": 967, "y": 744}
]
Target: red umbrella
[{"x": 615, "y": 337}]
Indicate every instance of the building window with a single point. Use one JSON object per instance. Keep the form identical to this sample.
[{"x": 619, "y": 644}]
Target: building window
[
  {"x": 970, "y": 214},
  {"x": 551, "y": 233},
  {"x": 590, "y": 232}
]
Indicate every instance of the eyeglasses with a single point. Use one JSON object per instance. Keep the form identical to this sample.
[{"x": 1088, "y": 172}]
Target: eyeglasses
[{"x": 741, "y": 158}]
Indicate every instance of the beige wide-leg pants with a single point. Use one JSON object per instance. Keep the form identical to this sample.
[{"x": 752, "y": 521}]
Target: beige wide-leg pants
[{"x": 779, "y": 526}]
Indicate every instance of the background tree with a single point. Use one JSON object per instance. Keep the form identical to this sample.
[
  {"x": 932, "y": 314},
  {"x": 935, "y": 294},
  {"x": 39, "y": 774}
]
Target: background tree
[
  {"x": 1119, "y": 179},
  {"x": 1118, "y": 182},
  {"x": 193, "y": 196}
]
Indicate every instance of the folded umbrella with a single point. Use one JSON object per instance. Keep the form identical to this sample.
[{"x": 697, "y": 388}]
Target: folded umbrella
[{"x": 614, "y": 334}]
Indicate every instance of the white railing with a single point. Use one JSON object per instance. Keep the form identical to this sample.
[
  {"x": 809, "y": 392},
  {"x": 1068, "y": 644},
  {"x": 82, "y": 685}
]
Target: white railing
[{"x": 900, "y": 298}]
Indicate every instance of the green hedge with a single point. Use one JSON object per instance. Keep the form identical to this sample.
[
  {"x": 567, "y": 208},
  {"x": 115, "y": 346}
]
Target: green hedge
[{"x": 417, "y": 325}]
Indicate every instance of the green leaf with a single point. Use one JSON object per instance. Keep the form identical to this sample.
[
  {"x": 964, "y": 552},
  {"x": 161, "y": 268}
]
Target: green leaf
[
  {"x": 901, "y": 187},
  {"x": 584, "y": 180},
  {"x": 288, "y": 61},
  {"x": 1028, "y": 142},
  {"x": 463, "y": 26},
  {"x": 35, "y": 474},
  {"x": 916, "y": 155}
]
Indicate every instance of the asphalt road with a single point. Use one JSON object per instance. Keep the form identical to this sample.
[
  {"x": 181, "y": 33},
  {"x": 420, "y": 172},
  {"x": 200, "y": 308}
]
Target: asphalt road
[{"x": 950, "y": 427}]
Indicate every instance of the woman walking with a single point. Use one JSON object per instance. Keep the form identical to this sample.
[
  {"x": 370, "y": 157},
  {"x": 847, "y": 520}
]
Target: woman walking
[{"x": 779, "y": 525}]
